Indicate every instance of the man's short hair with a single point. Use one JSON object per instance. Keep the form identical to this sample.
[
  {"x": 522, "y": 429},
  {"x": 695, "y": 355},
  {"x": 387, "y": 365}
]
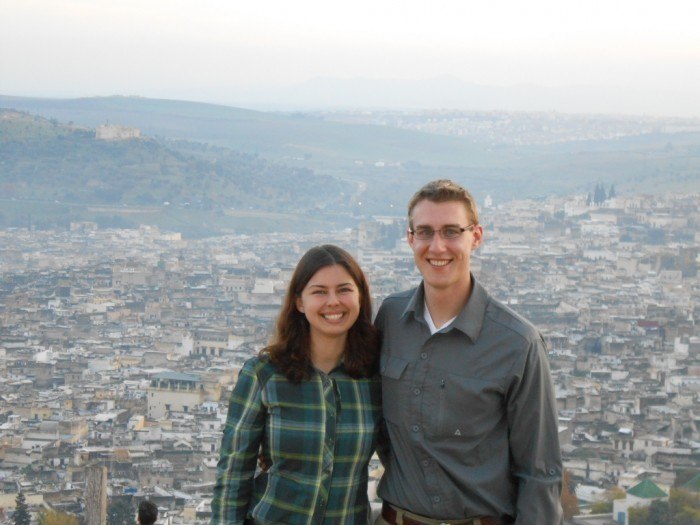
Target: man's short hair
[
  {"x": 444, "y": 190},
  {"x": 148, "y": 512}
]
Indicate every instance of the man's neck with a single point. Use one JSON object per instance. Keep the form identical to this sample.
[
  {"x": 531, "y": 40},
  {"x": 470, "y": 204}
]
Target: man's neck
[{"x": 446, "y": 303}]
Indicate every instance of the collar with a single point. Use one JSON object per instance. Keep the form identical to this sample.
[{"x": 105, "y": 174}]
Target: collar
[
  {"x": 469, "y": 320},
  {"x": 339, "y": 369}
]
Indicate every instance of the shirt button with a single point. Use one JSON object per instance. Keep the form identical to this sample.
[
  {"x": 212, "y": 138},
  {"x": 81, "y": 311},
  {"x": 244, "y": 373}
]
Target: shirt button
[
  {"x": 425, "y": 462},
  {"x": 424, "y": 355},
  {"x": 436, "y": 499},
  {"x": 416, "y": 391},
  {"x": 415, "y": 428},
  {"x": 552, "y": 472}
]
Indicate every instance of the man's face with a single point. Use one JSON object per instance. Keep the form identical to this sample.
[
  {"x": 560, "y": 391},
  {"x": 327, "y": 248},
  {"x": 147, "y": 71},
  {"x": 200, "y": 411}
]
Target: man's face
[{"x": 444, "y": 264}]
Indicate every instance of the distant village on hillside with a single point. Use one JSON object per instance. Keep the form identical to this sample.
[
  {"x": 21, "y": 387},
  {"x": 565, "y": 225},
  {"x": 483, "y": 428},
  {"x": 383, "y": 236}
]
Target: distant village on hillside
[{"x": 119, "y": 347}]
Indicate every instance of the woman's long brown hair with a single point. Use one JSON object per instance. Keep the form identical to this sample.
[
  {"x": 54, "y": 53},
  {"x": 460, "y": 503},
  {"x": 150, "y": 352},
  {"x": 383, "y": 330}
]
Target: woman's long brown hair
[{"x": 290, "y": 348}]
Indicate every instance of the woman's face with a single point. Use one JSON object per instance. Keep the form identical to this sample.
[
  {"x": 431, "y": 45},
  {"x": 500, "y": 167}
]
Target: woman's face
[{"x": 330, "y": 301}]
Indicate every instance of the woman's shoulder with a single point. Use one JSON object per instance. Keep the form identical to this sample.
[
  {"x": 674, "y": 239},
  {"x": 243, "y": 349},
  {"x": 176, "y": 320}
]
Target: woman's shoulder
[{"x": 260, "y": 366}]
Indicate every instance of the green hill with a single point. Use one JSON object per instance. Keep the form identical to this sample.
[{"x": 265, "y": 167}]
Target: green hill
[
  {"x": 303, "y": 138},
  {"x": 62, "y": 173},
  {"x": 207, "y": 157}
]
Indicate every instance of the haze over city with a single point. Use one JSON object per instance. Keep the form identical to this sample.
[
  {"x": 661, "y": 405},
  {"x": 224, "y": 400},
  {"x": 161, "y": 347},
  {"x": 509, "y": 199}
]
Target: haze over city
[
  {"x": 629, "y": 57},
  {"x": 164, "y": 166}
]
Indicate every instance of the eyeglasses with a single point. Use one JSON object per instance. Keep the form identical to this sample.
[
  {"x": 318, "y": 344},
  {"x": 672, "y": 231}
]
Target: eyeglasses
[{"x": 448, "y": 233}]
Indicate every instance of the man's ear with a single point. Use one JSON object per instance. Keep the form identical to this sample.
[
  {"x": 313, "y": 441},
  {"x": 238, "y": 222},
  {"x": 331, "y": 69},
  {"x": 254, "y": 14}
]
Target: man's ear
[{"x": 477, "y": 236}]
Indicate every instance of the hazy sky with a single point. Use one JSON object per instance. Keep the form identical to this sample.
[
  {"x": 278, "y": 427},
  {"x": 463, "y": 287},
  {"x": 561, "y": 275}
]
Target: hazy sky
[{"x": 236, "y": 50}]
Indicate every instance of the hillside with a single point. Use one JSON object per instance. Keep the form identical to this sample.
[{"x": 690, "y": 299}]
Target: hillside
[
  {"x": 56, "y": 166},
  {"x": 210, "y": 157},
  {"x": 318, "y": 143}
]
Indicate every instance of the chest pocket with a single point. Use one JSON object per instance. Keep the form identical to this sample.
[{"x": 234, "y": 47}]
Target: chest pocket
[
  {"x": 469, "y": 410},
  {"x": 394, "y": 388}
]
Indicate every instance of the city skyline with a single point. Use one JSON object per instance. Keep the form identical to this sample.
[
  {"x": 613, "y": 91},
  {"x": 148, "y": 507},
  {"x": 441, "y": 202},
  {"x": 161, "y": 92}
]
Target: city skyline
[{"x": 120, "y": 347}]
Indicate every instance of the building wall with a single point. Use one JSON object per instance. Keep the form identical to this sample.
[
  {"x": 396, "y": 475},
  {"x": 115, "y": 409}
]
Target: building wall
[
  {"x": 162, "y": 401},
  {"x": 113, "y": 132}
]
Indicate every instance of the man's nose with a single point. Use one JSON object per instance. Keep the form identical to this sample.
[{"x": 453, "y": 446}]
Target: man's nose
[{"x": 437, "y": 243}]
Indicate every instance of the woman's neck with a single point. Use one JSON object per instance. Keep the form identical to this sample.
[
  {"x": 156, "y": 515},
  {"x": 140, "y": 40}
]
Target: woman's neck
[{"x": 326, "y": 353}]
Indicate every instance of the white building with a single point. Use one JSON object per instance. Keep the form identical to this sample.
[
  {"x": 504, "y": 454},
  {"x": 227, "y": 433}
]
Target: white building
[
  {"x": 641, "y": 495},
  {"x": 174, "y": 392}
]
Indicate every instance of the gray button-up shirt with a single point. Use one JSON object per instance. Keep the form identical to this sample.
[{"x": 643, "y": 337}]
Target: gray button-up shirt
[{"x": 470, "y": 412}]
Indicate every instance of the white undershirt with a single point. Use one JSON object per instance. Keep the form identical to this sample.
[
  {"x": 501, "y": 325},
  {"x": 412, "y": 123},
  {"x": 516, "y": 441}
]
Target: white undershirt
[{"x": 429, "y": 320}]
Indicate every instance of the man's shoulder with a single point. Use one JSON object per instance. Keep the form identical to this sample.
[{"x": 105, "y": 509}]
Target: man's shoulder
[
  {"x": 509, "y": 319},
  {"x": 397, "y": 301},
  {"x": 400, "y": 296}
]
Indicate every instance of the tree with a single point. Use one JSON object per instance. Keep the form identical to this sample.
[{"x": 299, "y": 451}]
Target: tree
[
  {"x": 659, "y": 513},
  {"x": 605, "y": 506},
  {"x": 53, "y": 517},
  {"x": 685, "y": 507},
  {"x": 687, "y": 516},
  {"x": 638, "y": 515},
  {"x": 599, "y": 194},
  {"x": 569, "y": 501},
  {"x": 21, "y": 515},
  {"x": 120, "y": 513}
]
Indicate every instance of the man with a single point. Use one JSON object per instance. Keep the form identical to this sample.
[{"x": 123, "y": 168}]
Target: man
[
  {"x": 148, "y": 513},
  {"x": 467, "y": 395}
]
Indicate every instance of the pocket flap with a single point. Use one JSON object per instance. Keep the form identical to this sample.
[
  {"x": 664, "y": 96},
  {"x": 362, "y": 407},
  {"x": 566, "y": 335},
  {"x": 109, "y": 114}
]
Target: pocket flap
[{"x": 393, "y": 367}]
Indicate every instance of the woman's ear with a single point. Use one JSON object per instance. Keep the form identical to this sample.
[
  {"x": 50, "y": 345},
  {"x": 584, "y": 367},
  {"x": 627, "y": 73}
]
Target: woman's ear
[{"x": 300, "y": 305}]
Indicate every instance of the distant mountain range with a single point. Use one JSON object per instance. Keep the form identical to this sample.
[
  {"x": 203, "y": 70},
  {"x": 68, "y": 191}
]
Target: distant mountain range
[
  {"x": 227, "y": 168},
  {"x": 453, "y": 93},
  {"x": 272, "y": 135}
]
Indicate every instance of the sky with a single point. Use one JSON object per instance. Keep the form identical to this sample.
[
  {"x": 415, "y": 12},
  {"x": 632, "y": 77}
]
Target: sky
[{"x": 636, "y": 55}]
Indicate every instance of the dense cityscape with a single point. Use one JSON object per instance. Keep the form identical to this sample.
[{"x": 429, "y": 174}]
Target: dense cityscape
[{"x": 119, "y": 348}]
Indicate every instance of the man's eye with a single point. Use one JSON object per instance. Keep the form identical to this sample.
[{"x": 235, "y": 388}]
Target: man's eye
[
  {"x": 424, "y": 232},
  {"x": 450, "y": 232}
]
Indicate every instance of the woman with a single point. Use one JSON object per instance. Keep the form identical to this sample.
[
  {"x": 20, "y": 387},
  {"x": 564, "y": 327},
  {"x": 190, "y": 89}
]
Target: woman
[{"x": 309, "y": 406}]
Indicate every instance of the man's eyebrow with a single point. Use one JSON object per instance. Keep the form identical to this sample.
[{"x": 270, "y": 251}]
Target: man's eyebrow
[{"x": 450, "y": 225}]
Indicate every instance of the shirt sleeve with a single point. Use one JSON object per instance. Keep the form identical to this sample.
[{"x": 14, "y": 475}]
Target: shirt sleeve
[
  {"x": 382, "y": 435},
  {"x": 240, "y": 447},
  {"x": 534, "y": 440}
]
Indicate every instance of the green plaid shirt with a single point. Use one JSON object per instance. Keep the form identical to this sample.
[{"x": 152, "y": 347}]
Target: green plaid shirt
[{"x": 317, "y": 437}]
